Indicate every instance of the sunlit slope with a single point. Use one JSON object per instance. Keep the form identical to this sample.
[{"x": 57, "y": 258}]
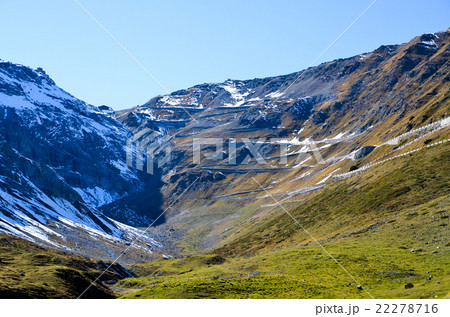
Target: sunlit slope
[{"x": 387, "y": 227}]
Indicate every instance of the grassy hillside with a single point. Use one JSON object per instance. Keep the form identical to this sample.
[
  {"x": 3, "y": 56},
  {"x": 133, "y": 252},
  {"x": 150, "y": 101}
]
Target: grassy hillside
[
  {"x": 361, "y": 201},
  {"x": 388, "y": 227},
  {"x": 31, "y": 271}
]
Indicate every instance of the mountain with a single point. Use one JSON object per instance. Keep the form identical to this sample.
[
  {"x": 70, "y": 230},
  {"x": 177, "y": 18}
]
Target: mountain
[
  {"x": 329, "y": 183},
  {"x": 345, "y": 109},
  {"x": 61, "y": 160}
]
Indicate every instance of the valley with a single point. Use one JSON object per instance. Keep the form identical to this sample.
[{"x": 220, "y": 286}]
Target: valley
[{"x": 331, "y": 182}]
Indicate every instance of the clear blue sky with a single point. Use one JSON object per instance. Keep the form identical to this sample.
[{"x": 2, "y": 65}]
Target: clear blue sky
[{"x": 183, "y": 43}]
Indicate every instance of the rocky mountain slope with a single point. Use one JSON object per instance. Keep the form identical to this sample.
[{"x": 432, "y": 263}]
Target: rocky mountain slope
[
  {"x": 61, "y": 159},
  {"x": 356, "y": 207},
  {"x": 289, "y": 135}
]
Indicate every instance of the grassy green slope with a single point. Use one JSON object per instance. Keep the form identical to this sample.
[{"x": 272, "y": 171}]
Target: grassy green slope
[
  {"x": 369, "y": 223},
  {"x": 363, "y": 200},
  {"x": 31, "y": 271}
]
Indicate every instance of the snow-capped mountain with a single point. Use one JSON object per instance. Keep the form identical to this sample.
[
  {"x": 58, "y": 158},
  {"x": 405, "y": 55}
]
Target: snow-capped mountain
[{"x": 61, "y": 159}]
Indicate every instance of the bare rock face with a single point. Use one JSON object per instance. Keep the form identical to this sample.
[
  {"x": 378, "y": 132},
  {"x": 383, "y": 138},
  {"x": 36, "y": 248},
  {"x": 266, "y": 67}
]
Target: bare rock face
[{"x": 365, "y": 150}]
